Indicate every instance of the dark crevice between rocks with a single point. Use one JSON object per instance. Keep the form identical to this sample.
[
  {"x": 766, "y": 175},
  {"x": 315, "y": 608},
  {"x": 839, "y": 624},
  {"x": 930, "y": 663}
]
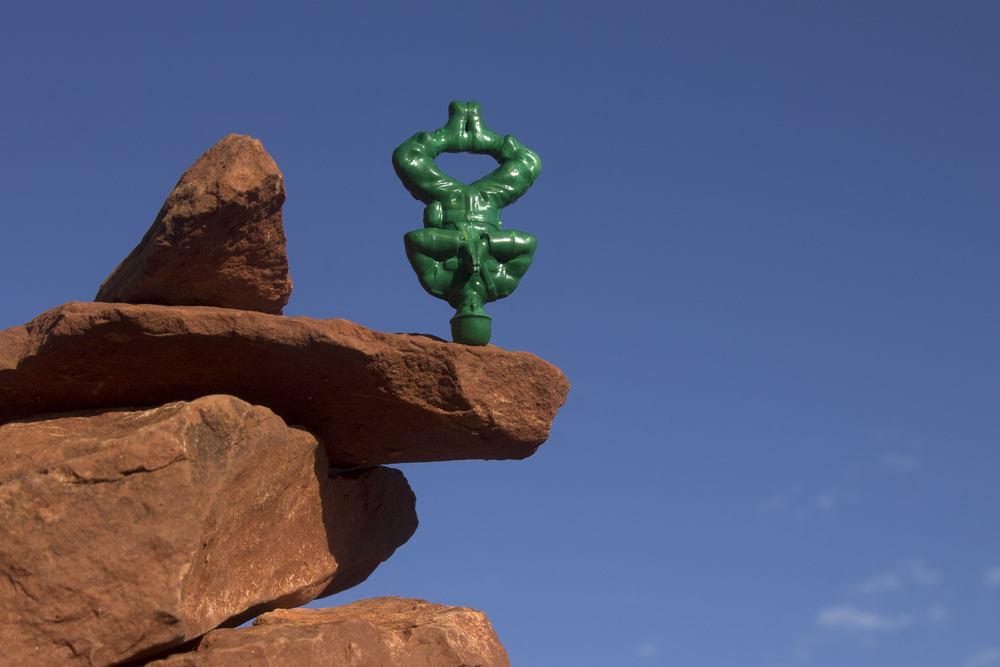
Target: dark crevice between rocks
[{"x": 160, "y": 654}]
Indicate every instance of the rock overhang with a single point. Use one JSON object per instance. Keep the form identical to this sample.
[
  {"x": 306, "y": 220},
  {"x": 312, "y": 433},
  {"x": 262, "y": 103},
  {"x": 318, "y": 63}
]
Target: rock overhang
[{"x": 373, "y": 398}]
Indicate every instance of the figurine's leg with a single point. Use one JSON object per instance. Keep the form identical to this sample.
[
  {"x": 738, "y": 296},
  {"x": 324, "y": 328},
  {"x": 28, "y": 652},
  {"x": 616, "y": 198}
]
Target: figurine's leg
[
  {"x": 470, "y": 298},
  {"x": 470, "y": 254},
  {"x": 433, "y": 256},
  {"x": 510, "y": 255}
]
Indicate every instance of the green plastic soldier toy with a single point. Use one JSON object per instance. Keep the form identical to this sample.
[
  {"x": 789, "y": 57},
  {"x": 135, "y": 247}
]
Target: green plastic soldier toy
[{"x": 461, "y": 255}]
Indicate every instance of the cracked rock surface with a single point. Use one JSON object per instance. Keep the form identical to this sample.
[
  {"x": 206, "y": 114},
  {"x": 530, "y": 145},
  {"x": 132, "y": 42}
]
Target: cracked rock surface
[
  {"x": 124, "y": 533},
  {"x": 382, "y": 632},
  {"x": 372, "y": 397}
]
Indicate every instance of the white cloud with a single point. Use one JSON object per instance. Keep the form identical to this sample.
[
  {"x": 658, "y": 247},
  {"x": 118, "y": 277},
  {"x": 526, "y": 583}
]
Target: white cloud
[
  {"x": 913, "y": 570},
  {"x": 938, "y": 614},
  {"x": 920, "y": 573},
  {"x": 993, "y": 576},
  {"x": 879, "y": 583},
  {"x": 798, "y": 504},
  {"x": 851, "y": 618},
  {"x": 647, "y": 650},
  {"x": 990, "y": 656},
  {"x": 826, "y": 501},
  {"x": 901, "y": 463}
]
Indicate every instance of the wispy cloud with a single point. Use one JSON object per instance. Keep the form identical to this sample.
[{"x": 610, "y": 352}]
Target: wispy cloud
[
  {"x": 993, "y": 576},
  {"x": 647, "y": 650},
  {"x": 937, "y": 614},
  {"x": 899, "y": 599},
  {"x": 913, "y": 571},
  {"x": 847, "y": 617},
  {"x": 989, "y": 656},
  {"x": 866, "y": 618},
  {"x": 826, "y": 501},
  {"x": 901, "y": 463},
  {"x": 879, "y": 583},
  {"x": 799, "y": 505},
  {"x": 920, "y": 573}
]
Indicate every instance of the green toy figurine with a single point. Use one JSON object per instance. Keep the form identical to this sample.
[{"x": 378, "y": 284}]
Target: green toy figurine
[{"x": 461, "y": 255}]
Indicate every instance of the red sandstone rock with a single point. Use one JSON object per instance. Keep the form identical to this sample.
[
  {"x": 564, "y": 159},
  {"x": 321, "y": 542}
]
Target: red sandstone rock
[
  {"x": 217, "y": 241},
  {"x": 372, "y": 397},
  {"x": 384, "y": 632},
  {"x": 125, "y": 533}
]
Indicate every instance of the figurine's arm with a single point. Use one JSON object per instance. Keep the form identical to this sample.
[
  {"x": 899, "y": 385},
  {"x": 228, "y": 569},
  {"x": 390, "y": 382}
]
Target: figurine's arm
[
  {"x": 414, "y": 164},
  {"x": 465, "y": 132},
  {"x": 519, "y": 167}
]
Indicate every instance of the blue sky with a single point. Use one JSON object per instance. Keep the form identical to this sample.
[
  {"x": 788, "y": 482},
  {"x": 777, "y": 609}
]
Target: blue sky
[{"x": 768, "y": 263}]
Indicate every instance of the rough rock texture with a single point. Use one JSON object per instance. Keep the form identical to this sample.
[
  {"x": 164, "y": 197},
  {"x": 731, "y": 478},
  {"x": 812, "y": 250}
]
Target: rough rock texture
[
  {"x": 217, "y": 241},
  {"x": 384, "y": 632},
  {"x": 125, "y": 533},
  {"x": 372, "y": 397}
]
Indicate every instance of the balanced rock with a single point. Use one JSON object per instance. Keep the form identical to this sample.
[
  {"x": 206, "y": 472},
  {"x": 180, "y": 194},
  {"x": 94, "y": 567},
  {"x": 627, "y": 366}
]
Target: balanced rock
[
  {"x": 125, "y": 533},
  {"x": 372, "y": 397},
  {"x": 384, "y": 632},
  {"x": 217, "y": 241}
]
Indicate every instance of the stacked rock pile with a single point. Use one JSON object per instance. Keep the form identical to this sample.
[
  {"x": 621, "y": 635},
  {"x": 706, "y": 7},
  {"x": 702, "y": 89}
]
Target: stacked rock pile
[{"x": 178, "y": 458}]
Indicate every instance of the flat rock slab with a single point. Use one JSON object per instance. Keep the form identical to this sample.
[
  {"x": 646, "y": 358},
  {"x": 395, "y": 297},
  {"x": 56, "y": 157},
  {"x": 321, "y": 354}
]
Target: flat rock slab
[
  {"x": 125, "y": 533},
  {"x": 217, "y": 241},
  {"x": 372, "y": 397},
  {"x": 383, "y": 632}
]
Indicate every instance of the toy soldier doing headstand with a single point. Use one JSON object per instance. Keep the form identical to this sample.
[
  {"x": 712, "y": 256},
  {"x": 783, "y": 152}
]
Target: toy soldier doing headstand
[{"x": 461, "y": 255}]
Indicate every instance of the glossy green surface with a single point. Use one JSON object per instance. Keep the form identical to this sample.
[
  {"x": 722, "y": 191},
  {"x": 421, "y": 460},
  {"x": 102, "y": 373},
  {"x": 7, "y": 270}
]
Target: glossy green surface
[{"x": 461, "y": 255}]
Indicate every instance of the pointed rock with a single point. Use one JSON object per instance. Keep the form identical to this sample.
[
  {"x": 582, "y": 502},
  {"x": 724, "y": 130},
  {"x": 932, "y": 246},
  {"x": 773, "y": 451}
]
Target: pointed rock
[
  {"x": 217, "y": 241},
  {"x": 126, "y": 533}
]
